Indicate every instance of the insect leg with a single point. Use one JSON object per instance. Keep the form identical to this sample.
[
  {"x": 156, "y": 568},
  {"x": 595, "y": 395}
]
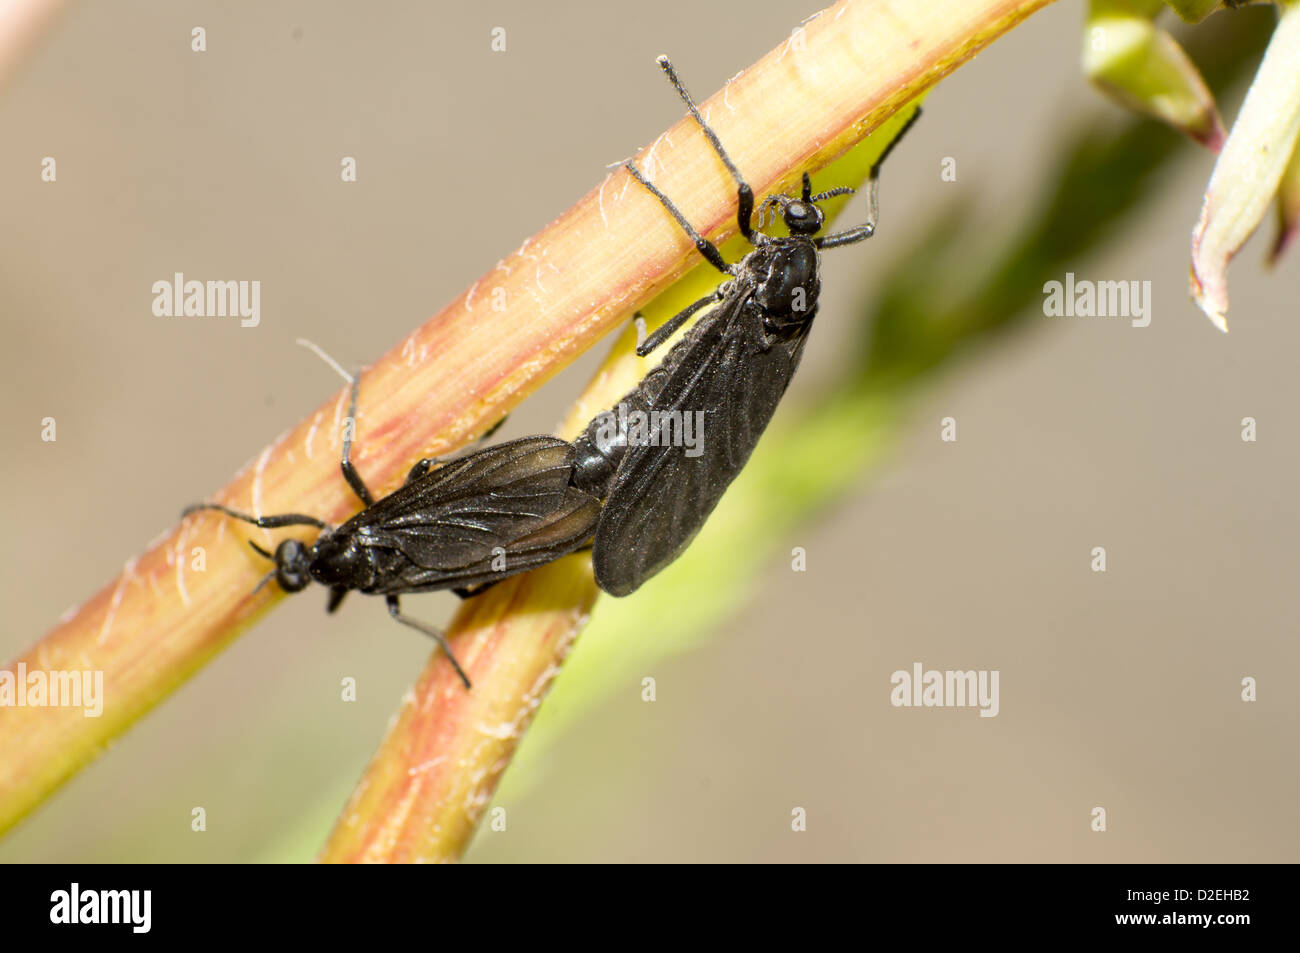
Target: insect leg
[
  {"x": 868, "y": 228},
  {"x": 702, "y": 244},
  {"x": 669, "y": 327},
  {"x": 421, "y": 468},
  {"x": 897, "y": 139},
  {"x": 265, "y": 522},
  {"x": 859, "y": 232},
  {"x": 744, "y": 194},
  {"x": 349, "y": 470},
  {"x": 426, "y": 464},
  {"x": 336, "y": 600},
  {"x": 469, "y": 592},
  {"x": 395, "y": 610}
]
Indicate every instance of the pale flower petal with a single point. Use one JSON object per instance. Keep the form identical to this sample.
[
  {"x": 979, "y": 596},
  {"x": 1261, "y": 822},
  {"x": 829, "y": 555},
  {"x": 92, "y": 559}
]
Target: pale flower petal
[
  {"x": 1251, "y": 165},
  {"x": 1288, "y": 207}
]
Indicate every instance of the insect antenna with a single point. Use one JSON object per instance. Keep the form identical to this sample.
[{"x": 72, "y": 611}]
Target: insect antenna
[
  {"x": 270, "y": 575},
  {"x": 831, "y": 193}
]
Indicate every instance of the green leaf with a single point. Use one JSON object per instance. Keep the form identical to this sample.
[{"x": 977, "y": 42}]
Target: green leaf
[{"x": 1144, "y": 69}]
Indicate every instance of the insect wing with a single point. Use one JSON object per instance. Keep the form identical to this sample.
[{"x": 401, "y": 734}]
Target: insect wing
[
  {"x": 661, "y": 496},
  {"x": 515, "y": 495},
  {"x": 569, "y": 527}
]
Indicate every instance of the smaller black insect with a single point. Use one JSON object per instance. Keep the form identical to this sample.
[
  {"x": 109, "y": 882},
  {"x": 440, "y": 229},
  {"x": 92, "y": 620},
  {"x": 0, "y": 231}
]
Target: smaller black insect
[
  {"x": 733, "y": 366},
  {"x": 463, "y": 525}
]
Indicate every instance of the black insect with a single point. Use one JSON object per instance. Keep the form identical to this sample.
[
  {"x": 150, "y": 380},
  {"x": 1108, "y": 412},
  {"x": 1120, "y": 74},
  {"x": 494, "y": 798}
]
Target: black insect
[
  {"x": 462, "y": 525},
  {"x": 733, "y": 365}
]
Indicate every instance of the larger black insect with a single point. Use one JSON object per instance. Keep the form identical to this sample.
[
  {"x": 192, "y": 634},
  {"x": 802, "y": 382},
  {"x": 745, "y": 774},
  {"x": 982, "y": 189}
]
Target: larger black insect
[
  {"x": 462, "y": 525},
  {"x": 734, "y": 365}
]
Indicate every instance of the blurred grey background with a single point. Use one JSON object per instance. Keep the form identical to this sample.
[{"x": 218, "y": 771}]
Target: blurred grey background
[{"x": 1119, "y": 689}]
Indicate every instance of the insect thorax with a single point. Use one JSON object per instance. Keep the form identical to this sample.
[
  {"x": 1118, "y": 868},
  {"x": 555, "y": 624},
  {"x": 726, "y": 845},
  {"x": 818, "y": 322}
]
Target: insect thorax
[
  {"x": 785, "y": 270},
  {"x": 338, "y": 561}
]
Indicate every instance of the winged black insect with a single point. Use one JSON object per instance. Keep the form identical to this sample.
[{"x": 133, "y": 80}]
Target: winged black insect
[
  {"x": 732, "y": 367},
  {"x": 463, "y": 525}
]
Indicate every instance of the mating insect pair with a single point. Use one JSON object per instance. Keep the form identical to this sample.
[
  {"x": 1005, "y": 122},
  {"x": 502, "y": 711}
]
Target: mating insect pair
[{"x": 635, "y": 502}]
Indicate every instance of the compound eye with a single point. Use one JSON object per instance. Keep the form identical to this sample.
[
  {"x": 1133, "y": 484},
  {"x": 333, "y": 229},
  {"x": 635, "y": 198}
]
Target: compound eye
[
  {"x": 802, "y": 218},
  {"x": 291, "y": 566}
]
